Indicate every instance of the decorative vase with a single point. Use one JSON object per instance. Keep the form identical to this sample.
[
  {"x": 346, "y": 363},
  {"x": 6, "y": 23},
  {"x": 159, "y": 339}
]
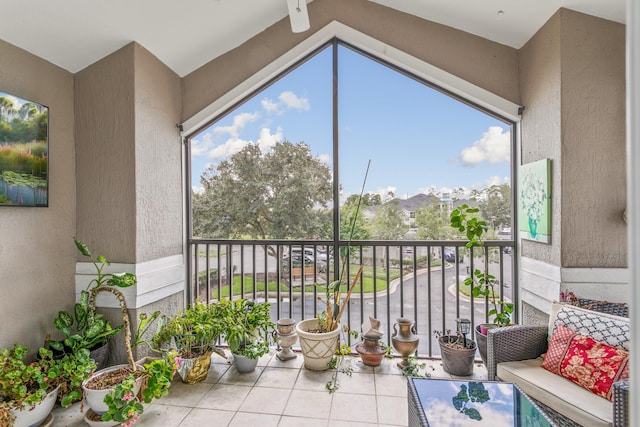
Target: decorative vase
[
  {"x": 406, "y": 341},
  {"x": 287, "y": 337},
  {"x": 195, "y": 370},
  {"x": 533, "y": 227},
  {"x": 317, "y": 348},
  {"x": 370, "y": 351},
  {"x": 457, "y": 360},
  {"x": 95, "y": 397},
  {"x": 35, "y": 415},
  {"x": 243, "y": 364}
]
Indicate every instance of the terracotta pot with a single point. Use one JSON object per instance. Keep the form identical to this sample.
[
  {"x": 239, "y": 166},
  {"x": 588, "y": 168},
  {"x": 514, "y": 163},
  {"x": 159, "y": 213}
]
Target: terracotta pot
[{"x": 370, "y": 351}]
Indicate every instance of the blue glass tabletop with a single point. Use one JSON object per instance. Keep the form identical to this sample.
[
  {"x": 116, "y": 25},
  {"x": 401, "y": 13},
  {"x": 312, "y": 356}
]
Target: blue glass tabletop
[{"x": 477, "y": 403}]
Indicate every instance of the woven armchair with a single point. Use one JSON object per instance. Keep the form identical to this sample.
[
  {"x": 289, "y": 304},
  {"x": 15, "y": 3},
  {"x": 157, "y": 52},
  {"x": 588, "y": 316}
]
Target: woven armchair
[
  {"x": 511, "y": 343},
  {"x": 524, "y": 342}
]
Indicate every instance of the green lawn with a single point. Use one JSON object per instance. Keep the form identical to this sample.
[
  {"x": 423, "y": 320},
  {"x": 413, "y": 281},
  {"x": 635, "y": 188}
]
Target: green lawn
[{"x": 367, "y": 284}]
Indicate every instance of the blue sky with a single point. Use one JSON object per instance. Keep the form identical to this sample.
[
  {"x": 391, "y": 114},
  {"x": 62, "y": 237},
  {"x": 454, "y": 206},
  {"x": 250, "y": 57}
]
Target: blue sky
[{"x": 416, "y": 138}]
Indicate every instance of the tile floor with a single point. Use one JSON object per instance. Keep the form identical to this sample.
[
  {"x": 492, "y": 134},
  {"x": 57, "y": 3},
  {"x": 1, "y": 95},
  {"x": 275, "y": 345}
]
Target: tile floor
[{"x": 281, "y": 394}]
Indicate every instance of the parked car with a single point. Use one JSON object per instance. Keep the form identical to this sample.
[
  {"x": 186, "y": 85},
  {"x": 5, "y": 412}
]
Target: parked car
[
  {"x": 450, "y": 256},
  {"x": 296, "y": 251},
  {"x": 296, "y": 260}
]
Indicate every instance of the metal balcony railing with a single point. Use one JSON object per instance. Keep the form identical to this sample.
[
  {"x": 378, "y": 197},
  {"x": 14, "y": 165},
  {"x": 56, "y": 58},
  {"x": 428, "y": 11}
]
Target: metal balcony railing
[{"x": 417, "y": 279}]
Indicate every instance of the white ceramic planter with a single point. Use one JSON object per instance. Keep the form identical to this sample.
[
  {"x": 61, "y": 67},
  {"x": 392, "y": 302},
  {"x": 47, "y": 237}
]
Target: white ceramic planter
[
  {"x": 28, "y": 416},
  {"x": 95, "y": 398},
  {"x": 317, "y": 348}
]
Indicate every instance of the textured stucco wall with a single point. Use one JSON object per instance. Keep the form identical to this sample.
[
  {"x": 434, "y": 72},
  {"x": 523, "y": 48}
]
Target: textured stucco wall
[
  {"x": 541, "y": 124},
  {"x": 158, "y": 165},
  {"x": 484, "y": 63},
  {"x": 572, "y": 85},
  {"x": 593, "y": 142},
  {"x": 105, "y": 150},
  {"x": 37, "y": 255}
]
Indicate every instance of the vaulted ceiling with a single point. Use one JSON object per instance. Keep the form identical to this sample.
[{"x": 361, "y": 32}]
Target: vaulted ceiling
[{"x": 187, "y": 34}]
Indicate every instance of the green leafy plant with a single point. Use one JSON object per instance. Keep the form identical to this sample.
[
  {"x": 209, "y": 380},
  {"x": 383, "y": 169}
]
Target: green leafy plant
[
  {"x": 124, "y": 406},
  {"x": 247, "y": 326},
  {"x": 24, "y": 383},
  {"x": 191, "y": 332},
  {"x": 413, "y": 368},
  {"x": 340, "y": 364},
  {"x": 465, "y": 220},
  {"x": 86, "y": 328}
]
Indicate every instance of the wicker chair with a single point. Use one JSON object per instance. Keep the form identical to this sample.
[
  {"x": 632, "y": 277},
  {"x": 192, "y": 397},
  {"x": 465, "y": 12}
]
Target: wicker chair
[{"x": 505, "y": 345}]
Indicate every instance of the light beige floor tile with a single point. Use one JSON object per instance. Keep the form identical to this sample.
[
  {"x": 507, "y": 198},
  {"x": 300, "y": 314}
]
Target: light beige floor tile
[
  {"x": 164, "y": 415},
  {"x": 296, "y": 363},
  {"x": 342, "y": 423},
  {"x": 287, "y": 421},
  {"x": 392, "y": 410},
  {"x": 266, "y": 400},
  {"x": 207, "y": 417},
  {"x": 354, "y": 407},
  {"x": 182, "y": 394},
  {"x": 278, "y": 377},
  {"x": 232, "y": 376},
  {"x": 216, "y": 371},
  {"x": 311, "y": 404},
  {"x": 69, "y": 417},
  {"x": 356, "y": 383},
  {"x": 391, "y": 385},
  {"x": 358, "y": 366},
  {"x": 388, "y": 366},
  {"x": 312, "y": 380},
  {"x": 226, "y": 397},
  {"x": 246, "y": 419}
]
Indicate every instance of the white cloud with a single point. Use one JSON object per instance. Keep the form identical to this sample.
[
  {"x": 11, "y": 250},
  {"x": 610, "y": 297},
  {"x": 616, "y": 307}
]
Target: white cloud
[
  {"x": 291, "y": 101},
  {"x": 269, "y": 106},
  {"x": 228, "y": 149},
  {"x": 495, "y": 180},
  {"x": 286, "y": 101},
  {"x": 492, "y": 147},
  {"x": 325, "y": 158},
  {"x": 239, "y": 122},
  {"x": 384, "y": 192},
  {"x": 442, "y": 413},
  {"x": 267, "y": 140},
  {"x": 201, "y": 146},
  {"x": 197, "y": 190}
]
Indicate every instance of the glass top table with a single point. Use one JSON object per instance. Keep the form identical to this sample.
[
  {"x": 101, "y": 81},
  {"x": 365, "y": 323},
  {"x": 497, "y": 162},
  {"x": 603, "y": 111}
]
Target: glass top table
[{"x": 443, "y": 402}]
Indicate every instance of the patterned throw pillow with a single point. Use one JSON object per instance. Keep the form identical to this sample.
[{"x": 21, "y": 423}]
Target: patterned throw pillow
[
  {"x": 558, "y": 347},
  {"x": 591, "y": 364}
]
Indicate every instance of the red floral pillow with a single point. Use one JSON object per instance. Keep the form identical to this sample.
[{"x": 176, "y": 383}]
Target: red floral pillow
[{"x": 589, "y": 363}]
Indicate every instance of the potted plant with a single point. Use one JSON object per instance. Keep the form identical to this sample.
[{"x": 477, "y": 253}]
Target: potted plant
[
  {"x": 101, "y": 391},
  {"x": 481, "y": 283},
  {"x": 28, "y": 391},
  {"x": 86, "y": 328},
  {"x": 247, "y": 330},
  {"x": 458, "y": 353},
  {"x": 192, "y": 333}
]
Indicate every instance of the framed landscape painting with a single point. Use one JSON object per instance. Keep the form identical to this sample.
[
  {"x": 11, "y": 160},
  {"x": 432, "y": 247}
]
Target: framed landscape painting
[
  {"x": 24, "y": 152},
  {"x": 534, "y": 191}
]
